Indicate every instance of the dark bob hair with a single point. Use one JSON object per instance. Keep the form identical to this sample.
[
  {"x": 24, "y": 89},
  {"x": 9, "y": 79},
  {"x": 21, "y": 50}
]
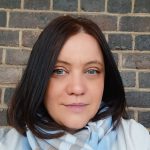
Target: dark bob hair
[{"x": 26, "y": 110}]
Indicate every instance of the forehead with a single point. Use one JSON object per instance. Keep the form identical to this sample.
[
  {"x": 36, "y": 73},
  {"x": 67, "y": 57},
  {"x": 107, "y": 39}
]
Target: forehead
[{"x": 81, "y": 47}]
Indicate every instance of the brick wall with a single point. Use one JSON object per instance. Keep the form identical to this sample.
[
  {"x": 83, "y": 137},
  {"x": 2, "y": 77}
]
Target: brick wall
[{"x": 126, "y": 24}]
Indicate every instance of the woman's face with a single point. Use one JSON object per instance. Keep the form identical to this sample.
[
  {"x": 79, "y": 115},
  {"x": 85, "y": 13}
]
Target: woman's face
[{"x": 76, "y": 86}]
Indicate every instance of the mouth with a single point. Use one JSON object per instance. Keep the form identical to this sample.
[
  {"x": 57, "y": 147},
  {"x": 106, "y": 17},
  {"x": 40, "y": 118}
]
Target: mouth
[{"x": 76, "y": 107}]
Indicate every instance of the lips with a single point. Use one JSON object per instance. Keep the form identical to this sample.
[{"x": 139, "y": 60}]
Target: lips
[{"x": 76, "y": 107}]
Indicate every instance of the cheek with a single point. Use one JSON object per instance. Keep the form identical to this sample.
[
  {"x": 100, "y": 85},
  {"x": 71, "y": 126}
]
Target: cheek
[
  {"x": 97, "y": 93},
  {"x": 51, "y": 100},
  {"x": 55, "y": 91},
  {"x": 49, "y": 96},
  {"x": 98, "y": 87}
]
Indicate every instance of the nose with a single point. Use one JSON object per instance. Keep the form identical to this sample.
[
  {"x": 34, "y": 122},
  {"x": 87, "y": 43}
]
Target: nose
[{"x": 76, "y": 85}]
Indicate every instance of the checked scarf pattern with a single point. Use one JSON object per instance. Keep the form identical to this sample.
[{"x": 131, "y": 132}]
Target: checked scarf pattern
[{"x": 95, "y": 136}]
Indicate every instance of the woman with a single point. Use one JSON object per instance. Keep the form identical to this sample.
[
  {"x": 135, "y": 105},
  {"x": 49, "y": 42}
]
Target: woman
[{"x": 71, "y": 96}]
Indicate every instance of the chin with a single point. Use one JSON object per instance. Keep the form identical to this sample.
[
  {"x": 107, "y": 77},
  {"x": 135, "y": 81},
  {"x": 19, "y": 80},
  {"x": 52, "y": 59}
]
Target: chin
[{"x": 75, "y": 127}]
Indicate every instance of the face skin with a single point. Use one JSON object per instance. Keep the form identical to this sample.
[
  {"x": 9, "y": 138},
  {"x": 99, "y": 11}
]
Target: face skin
[{"x": 75, "y": 89}]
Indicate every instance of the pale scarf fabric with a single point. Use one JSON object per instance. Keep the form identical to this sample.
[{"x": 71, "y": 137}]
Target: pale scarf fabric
[{"x": 96, "y": 135}]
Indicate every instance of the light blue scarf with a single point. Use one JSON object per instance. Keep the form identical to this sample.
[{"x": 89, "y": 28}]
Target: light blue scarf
[{"x": 96, "y": 136}]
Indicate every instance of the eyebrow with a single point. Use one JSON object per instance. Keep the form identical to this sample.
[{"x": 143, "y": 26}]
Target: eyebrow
[
  {"x": 94, "y": 62},
  {"x": 86, "y": 64}
]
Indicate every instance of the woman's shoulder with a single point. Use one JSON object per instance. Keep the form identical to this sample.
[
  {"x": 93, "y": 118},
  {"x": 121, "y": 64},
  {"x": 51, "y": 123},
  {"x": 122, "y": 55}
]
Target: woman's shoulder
[
  {"x": 11, "y": 139},
  {"x": 6, "y": 130},
  {"x": 134, "y": 127},
  {"x": 134, "y": 134}
]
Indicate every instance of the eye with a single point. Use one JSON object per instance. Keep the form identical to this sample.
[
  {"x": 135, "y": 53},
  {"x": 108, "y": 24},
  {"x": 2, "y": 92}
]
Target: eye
[
  {"x": 59, "y": 71},
  {"x": 93, "y": 71}
]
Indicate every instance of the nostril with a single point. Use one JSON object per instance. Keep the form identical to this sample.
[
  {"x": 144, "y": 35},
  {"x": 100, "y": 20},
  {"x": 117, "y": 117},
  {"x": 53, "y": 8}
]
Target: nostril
[{"x": 76, "y": 89}]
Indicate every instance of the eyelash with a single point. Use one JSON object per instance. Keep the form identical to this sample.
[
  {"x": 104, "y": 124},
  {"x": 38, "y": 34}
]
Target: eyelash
[
  {"x": 57, "y": 71},
  {"x": 95, "y": 70}
]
